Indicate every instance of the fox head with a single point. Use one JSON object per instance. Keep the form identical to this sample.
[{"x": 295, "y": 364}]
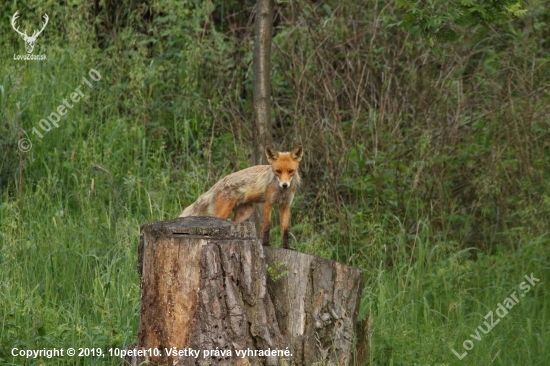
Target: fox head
[{"x": 284, "y": 164}]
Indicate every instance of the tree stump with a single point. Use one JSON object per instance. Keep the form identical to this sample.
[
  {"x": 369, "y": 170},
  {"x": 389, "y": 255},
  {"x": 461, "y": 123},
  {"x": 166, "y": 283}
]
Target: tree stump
[
  {"x": 316, "y": 303},
  {"x": 207, "y": 299}
]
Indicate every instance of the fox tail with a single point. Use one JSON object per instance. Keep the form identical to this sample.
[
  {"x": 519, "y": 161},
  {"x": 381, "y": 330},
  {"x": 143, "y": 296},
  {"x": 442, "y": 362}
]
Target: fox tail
[{"x": 200, "y": 207}]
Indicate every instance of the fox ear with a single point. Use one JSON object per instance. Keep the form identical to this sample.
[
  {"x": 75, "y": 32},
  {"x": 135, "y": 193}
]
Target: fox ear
[
  {"x": 271, "y": 154},
  {"x": 297, "y": 153}
]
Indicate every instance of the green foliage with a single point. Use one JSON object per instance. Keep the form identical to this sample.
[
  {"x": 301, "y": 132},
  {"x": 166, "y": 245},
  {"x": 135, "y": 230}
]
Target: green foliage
[
  {"x": 446, "y": 20},
  {"x": 277, "y": 272}
]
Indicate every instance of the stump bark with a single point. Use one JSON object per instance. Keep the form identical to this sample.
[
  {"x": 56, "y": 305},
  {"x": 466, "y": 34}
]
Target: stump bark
[
  {"x": 316, "y": 303},
  {"x": 205, "y": 288}
]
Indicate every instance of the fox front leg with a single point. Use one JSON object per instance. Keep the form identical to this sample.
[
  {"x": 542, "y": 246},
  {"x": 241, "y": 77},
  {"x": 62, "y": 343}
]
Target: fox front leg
[
  {"x": 284, "y": 214},
  {"x": 266, "y": 225}
]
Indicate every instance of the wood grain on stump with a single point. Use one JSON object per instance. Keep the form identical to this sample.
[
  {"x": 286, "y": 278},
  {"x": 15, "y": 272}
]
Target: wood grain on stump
[
  {"x": 204, "y": 287},
  {"x": 316, "y": 302}
]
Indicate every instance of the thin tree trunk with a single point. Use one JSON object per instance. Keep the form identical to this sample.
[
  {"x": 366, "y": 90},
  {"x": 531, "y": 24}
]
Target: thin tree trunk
[
  {"x": 261, "y": 131},
  {"x": 262, "y": 79}
]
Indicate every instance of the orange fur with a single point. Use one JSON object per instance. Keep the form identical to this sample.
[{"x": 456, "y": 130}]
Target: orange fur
[{"x": 268, "y": 184}]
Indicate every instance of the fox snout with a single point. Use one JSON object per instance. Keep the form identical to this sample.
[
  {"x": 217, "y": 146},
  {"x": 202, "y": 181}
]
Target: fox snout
[{"x": 284, "y": 182}]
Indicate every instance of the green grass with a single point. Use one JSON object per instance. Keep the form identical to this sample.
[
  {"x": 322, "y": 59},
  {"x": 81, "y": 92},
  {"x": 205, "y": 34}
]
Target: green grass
[
  {"x": 421, "y": 311},
  {"x": 68, "y": 257},
  {"x": 137, "y": 150},
  {"x": 68, "y": 277}
]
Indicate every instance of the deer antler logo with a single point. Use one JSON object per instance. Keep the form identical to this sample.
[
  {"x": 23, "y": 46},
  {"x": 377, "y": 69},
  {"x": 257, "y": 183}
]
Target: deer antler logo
[{"x": 29, "y": 41}]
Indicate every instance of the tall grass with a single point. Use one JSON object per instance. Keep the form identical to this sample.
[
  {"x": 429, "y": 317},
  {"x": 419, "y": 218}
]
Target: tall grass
[{"x": 425, "y": 166}]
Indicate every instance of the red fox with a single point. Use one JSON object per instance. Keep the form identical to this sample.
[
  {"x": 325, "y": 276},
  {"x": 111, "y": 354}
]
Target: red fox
[{"x": 268, "y": 184}]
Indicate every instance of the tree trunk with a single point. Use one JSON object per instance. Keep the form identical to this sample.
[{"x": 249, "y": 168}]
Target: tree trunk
[
  {"x": 263, "y": 30},
  {"x": 261, "y": 129},
  {"x": 205, "y": 288}
]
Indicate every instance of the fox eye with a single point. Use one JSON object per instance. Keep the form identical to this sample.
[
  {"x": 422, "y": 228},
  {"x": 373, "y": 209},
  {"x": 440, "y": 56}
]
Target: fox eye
[
  {"x": 290, "y": 171},
  {"x": 278, "y": 171}
]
